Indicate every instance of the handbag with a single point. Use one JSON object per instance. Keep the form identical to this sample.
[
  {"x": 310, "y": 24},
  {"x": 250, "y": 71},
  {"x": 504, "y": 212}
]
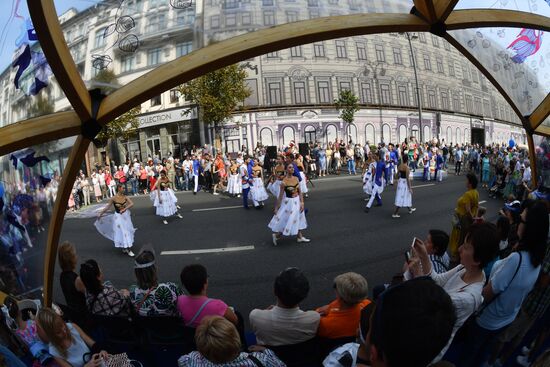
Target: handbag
[{"x": 464, "y": 332}]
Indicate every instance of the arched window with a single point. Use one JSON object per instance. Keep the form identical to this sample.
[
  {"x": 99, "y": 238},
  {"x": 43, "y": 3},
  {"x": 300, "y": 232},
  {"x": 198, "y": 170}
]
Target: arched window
[
  {"x": 449, "y": 134},
  {"x": 370, "y": 134},
  {"x": 402, "y": 133},
  {"x": 414, "y": 131},
  {"x": 332, "y": 134},
  {"x": 427, "y": 133},
  {"x": 288, "y": 135},
  {"x": 466, "y": 136},
  {"x": 310, "y": 135},
  {"x": 459, "y": 135},
  {"x": 266, "y": 137},
  {"x": 386, "y": 133},
  {"x": 352, "y": 133}
]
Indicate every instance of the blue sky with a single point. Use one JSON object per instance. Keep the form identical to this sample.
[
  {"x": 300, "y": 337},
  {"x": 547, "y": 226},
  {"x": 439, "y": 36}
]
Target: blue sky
[{"x": 11, "y": 26}]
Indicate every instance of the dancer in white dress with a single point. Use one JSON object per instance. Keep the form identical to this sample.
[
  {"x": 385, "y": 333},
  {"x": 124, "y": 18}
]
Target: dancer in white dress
[
  {"x": 289, "y": 218},
  {"x": 403, "y": 194},
  {"x": 165, "y": 199},
  {"x": 257, "y": 190},
  {"x": 368, "y": 176},
  {"x": 118, "y": 226},
  {"x": 274, "y": 186},
  {"x": 234, "y": 185}
]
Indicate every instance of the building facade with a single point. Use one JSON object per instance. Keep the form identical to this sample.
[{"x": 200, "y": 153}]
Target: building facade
[{"x": 293, "y": 90}]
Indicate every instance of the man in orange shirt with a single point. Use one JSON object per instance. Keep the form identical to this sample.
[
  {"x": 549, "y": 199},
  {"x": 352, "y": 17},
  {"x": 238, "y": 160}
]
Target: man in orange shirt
[{"x": 340, "y": 318}]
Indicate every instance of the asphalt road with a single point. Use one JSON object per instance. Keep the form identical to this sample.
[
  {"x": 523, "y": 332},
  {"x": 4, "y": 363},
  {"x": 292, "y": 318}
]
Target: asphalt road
[{"x": 343, "y": 238}]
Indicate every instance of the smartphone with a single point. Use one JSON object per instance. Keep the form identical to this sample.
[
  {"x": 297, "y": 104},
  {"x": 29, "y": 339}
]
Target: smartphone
[
  {"x": 407, "y": 256},
  {"x": 414, "y": 241}
]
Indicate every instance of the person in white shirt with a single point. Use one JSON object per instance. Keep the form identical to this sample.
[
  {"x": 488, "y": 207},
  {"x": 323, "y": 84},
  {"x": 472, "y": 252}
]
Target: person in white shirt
[
  {"x": 187, "y": 167},
  {"x": 464, "y": 283},
  {"x": 285, "y": 323}
]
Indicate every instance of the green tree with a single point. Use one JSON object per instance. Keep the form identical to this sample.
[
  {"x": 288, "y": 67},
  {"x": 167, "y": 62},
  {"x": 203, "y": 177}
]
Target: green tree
[
  {"x": 217, "y": 94},
  {"x": 125, "y": 125},
  {"x": 348, "y": 104}
]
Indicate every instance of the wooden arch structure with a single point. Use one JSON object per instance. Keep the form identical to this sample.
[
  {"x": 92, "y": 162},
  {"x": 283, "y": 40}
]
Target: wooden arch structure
[{"x": 89, "y": 113}]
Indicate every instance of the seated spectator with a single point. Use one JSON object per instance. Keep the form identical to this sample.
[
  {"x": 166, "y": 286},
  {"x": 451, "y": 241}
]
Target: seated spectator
[
  {"x": 410, "y": 325},
  {"x": 340, "y": 318},
  {"x": 101, "y": 297},
  {"x": 285, "y": 323},
  {"x": 69, "y": 280},
  {"x": 511, "y": 280},
  {"x": 149, "y": 297},
  {"x": 353, "y": 354},
  {"x": 194, "y": 307},
  {"x": 68, "y": 343},
  {"x": 464, "y": 282},
  {"x": 218, "y": 344}
]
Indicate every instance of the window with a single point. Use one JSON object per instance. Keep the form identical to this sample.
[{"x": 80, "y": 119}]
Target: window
[
  {"x": 380, "y": 55},
  {"x": 296, "y": 51},
  {"x": 385, "y": 93},
  {"x": 273, "y": 55},
  {"x": 300, "y": 93},
  {"x": 402, "y": 132},
  {"x": 331, "y": 133},
  {"x": 344, "y": 86},
  {"x": 174, "y": 95},
  {"x": 266, "y": 137},
  {"x": 352, "y": 133},
  {"x": 465, "y": 72},
  {"x": 445, "y": 100},
  {"x": 403, "y": 95},
  {"x": 469, "y": 104},
  {"x": 231, "y": 20},
  {"x": 99, "y": 40},
  {"x": 231, "y": 4},
  {"x": 291, "y": 16},
  {"x": 333, "y": 2},
  {"x": 475, "y": 76},
  {"x": 447, "y": 45},
  {"x": 451, "y": 68},
  {"x": 341, "y": 51},
  {"x": 155, "y": 23},
  {"x": 309, "y": 134},
  {"x": 319, "y": 49},
  {"x": 127, "y": 63},
  {"x": 154, "y": 56},
  {"x": 361, "y": 50},
  {"x": 449, "y": 134},
  {"x": 184, "y": 48},
  {"x": 323, "y": 90},
  {"x": 314, "y": 13},
  {"x": 215, "y": 21},
  {"x": 386, "y": 133},
  {"x": 458, "y": 135},
  {"x": 486, "y": 108},
  {"x": 288, "y": 135},
  {"x": 246, "y": 18},
  {"x": 397, "y": 59},
  {"x": 269, "y": 17},
  {"x": 427, "y": 63},
  {"x": 155, "y": 101},
  {"x": 435, "y": 41},
  {"x": 370, "y": 134},
  {"x": 439, "y": 63},
  {"x": 427, "y": 133},
  {"x": 456, "y": 102},
  {"x": 432, "y": 100},
  {"x": 184, "y": 17},
  {"x": 422, "y": 37},
  {"x": 313, "y": 3},
  {"x": 267, "y": 2},
  {"x": 366, "y": 93},
  {"x": 274, "y": 90}
]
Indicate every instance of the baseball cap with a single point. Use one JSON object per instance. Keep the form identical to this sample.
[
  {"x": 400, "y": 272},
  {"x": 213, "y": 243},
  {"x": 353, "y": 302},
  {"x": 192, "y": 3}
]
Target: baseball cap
[{"x": 514, "y": 206}]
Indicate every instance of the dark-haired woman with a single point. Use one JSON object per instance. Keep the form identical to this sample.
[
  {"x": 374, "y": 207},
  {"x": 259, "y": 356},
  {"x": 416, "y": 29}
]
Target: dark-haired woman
[
  {"x": 118, "y": 227},
  {"x": 464, "y": 283},
  {"x": 465, "y": 211},
  {"x": 511, "y": 280},
  {"x": 403, "y": 194},
  {"x": 149, "y": 297},
  {"x": 165, "y": 199},
  {"x": 101, "y": 297},
  {"x": 289, "y": 218}
]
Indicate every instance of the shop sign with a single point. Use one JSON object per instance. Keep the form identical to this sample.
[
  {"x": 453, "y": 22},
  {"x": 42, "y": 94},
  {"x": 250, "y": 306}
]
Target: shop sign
[{"x": 167, "y": 117}]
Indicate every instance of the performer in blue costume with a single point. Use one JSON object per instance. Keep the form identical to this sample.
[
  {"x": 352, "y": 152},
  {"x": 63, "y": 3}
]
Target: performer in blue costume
[{"x": 379, "y": 178}]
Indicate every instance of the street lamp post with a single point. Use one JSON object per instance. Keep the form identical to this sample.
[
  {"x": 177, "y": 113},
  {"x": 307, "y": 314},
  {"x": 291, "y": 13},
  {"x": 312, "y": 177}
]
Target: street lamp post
[
  {"x": 374, "y": 67},
  {"x": 418, "y": 96}
]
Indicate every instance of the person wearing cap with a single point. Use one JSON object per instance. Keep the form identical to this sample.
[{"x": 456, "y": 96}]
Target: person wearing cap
[
  {"x": 285, "y": 323},
  {"x": 149, "y": 297}
]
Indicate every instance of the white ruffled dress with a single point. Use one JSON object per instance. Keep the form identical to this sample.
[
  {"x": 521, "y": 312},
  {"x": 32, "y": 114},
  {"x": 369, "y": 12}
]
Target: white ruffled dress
[
  {"x": 117, "y": 228},
  {"x": 169, "y": 201}
]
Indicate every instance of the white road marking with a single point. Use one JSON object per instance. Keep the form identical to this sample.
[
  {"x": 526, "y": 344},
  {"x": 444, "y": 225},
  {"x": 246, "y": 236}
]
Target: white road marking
[
  {"x": 483, "y": 201},
  {"x": 432, "y": 184},
  {"x": 219, "y": 208},
  {"x": 208, "y": 251}
]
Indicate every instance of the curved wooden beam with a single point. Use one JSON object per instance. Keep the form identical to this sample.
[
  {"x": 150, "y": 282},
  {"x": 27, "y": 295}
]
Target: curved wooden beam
[
  {"x": 58, "y": 215},
  {"x": 543, "y": 130},
  {"x": 250, "y": 45},
  {"x": 443, "y": 8},
  {"x": 476, "y": 18},
  {"x": 426, "y": 9},
  {"x": 38, "y": 130},
  {"x": 540, "y": 113},
  {"x": 52, "y": 42}
]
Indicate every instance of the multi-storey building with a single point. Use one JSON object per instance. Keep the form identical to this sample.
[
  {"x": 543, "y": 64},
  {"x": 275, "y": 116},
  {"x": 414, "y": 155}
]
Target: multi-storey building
[{"x": 293, "y": 90}]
